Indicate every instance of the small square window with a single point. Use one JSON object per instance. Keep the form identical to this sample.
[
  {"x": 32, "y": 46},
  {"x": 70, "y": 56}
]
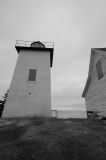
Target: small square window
[
  {"x": 99, "y": 69},
  {"x": 32, "y": 75}
]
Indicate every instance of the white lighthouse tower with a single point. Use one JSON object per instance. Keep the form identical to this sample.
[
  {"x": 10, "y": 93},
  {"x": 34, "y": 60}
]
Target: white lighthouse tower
[{"x": 30, "y": 89}]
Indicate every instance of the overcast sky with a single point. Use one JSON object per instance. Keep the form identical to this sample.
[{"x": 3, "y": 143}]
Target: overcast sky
[{"x": 75, "y": 26}]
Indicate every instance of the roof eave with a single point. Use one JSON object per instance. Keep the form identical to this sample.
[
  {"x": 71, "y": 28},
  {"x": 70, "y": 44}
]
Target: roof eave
[
  {"x": 86, "y": 86},
  {"x": 89, "y": 73},
  {"x": 18, "y": 48}
]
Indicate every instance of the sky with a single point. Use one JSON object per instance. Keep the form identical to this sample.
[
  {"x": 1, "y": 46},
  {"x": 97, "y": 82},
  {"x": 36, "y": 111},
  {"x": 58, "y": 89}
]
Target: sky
[{"x": 75, "y": 26}]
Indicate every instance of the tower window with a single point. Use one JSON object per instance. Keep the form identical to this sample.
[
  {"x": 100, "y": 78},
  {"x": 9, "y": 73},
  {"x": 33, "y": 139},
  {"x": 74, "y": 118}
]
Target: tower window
[
  {"x": 99, "y": 69},
  {"x": 32, "y": 75}
]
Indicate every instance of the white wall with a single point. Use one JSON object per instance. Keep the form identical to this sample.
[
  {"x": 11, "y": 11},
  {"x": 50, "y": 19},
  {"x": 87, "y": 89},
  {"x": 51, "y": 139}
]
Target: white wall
[
  {"x": 96, "y": 94},
  {"x": 72, "y": 113},
  {"x": 19, "y": 101}
]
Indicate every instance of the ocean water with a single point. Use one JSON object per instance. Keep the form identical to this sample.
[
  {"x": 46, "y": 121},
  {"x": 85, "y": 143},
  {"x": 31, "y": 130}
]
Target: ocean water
[{"x": 69, "y": 113}]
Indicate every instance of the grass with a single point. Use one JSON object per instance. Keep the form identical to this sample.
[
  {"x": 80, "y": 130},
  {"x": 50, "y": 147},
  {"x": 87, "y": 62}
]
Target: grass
[{"x": 53, "y": 139}]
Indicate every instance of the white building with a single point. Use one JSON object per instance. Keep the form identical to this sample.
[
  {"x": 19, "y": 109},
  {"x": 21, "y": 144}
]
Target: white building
[
  {"x": 95, "y": 88},
  {"x": 30, "y": 89}
]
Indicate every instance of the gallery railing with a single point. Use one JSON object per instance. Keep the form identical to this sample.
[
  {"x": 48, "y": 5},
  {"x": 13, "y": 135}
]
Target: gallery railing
[{"x": 22, "y": 43}]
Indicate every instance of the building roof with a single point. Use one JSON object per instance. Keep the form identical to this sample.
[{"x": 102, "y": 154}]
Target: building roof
[{"x": 93, "y": 50}]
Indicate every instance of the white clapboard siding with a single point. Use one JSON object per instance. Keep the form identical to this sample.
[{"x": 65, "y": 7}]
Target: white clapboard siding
[{"x": 96, "y": 94}]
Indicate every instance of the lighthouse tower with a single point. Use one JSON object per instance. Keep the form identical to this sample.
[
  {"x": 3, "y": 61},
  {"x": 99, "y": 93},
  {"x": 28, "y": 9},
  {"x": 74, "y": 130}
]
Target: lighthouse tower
[{"x": 30, "y": 89}]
